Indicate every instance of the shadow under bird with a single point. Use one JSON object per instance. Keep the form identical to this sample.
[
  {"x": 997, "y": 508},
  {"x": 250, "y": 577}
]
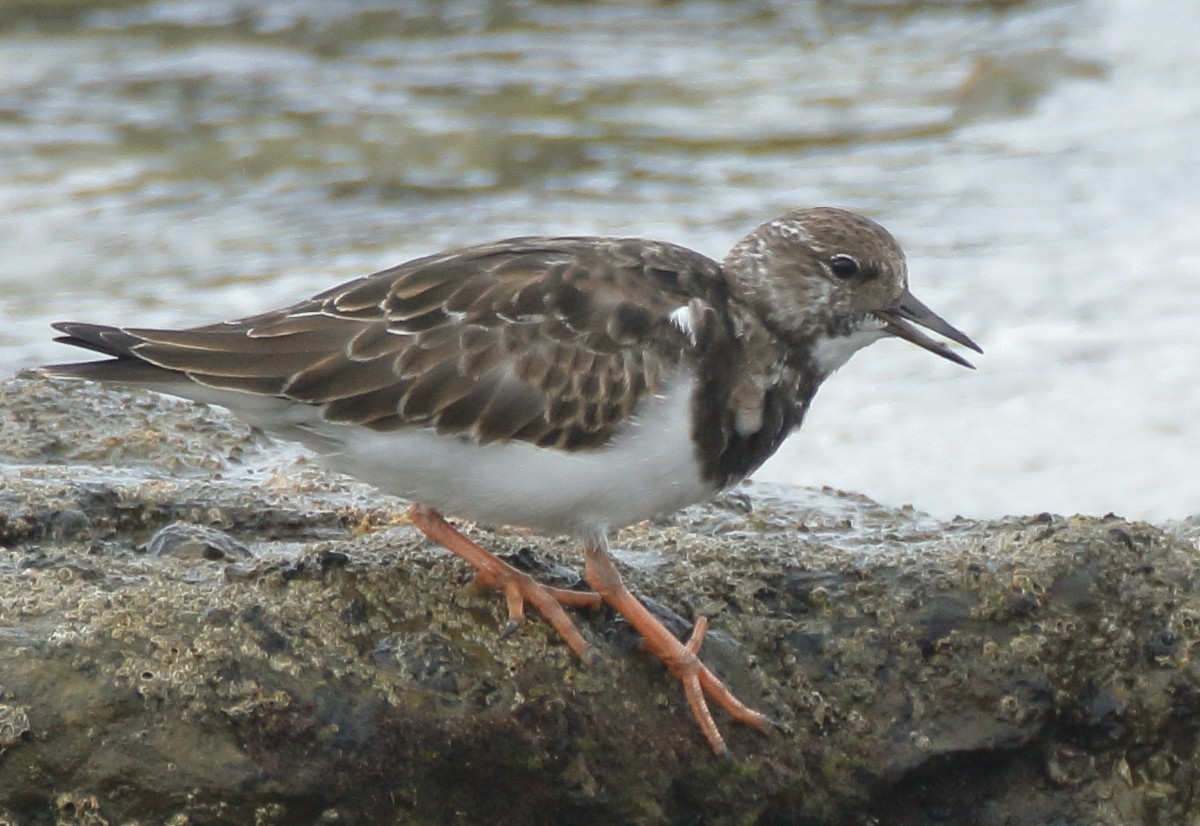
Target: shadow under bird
[{"x": 567, "y": 385}]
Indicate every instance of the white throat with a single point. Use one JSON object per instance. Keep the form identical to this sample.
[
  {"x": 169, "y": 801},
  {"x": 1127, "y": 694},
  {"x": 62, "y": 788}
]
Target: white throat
[{"x": 831, "y": 352}]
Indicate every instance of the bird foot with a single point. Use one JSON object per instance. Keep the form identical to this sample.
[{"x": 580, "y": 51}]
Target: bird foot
[
  {"x": 518, "y": 587},
  {"x": 681, "y": 659},
  {"x": 698, "y": 681}
]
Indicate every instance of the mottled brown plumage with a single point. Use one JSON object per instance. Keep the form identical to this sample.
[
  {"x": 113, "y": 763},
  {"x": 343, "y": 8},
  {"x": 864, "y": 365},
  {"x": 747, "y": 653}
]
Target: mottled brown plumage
[
  {"x": 565, "y": 384},
  {"x": 552, "y": 341}
]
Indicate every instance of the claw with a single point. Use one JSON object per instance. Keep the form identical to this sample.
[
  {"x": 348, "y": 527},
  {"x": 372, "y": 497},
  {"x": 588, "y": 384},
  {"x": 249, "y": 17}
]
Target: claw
[{"x": 509, "y": 628}]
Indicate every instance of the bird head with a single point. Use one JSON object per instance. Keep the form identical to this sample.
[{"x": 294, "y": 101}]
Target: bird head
[{"x": 833, "y": 281}]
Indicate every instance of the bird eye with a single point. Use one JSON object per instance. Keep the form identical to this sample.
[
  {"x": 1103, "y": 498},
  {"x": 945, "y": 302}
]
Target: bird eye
[{"x": 843, "y": 266}]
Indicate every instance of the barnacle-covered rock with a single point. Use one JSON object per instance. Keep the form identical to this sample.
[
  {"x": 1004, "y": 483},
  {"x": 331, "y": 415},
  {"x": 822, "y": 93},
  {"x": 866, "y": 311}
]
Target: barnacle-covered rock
[{"x": 340, "y": 670}]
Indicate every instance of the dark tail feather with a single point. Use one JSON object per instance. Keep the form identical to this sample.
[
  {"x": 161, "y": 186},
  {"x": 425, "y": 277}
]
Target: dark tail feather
[
  {"x": 122, "y": 371},
  {"x": 124, "y": 367},
  {"x": 110, "y": 341}
]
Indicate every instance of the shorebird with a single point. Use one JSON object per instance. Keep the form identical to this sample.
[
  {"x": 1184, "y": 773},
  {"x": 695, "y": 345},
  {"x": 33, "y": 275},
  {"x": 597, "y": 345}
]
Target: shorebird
[{"x": 568, "y": 385}]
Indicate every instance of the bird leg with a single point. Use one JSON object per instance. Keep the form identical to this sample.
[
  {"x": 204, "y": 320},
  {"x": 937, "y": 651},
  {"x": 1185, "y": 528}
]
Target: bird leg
[
  {"x": 518, "y": 587},
  {"x": 681, "y": 659}
]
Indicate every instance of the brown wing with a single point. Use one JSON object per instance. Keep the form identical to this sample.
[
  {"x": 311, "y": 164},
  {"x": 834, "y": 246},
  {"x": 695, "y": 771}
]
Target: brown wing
[{"x": 553, "y": 341}]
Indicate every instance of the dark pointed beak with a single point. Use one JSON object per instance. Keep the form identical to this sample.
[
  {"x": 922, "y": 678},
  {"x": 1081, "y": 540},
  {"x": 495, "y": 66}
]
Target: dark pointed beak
[{"x": 898, "y": 320}]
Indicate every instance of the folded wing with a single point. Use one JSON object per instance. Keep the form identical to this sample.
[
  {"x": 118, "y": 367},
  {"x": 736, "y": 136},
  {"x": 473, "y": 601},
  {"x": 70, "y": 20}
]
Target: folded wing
[{"x": 549, "y": 341}]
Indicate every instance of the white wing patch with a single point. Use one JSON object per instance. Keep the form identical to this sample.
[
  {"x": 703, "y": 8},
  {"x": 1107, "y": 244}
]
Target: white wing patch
[{"x": 682, "y": 319}]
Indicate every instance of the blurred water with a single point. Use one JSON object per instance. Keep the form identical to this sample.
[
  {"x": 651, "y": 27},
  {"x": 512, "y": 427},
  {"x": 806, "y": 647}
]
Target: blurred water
[{"x": 174, "y": 162}]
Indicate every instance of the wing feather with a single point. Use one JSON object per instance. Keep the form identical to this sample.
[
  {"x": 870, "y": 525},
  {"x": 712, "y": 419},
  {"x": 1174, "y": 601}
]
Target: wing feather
[{"x": 553, "y": 341}]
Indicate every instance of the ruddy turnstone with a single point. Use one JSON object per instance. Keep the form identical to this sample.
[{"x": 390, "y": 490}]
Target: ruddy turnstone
[{"x": 567, "y": 385}]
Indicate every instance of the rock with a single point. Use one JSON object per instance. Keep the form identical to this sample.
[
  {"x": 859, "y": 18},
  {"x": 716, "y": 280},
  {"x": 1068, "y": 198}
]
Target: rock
[
  {"x": 196, "y": 542},
  {"x": 1027, "y": 670}
]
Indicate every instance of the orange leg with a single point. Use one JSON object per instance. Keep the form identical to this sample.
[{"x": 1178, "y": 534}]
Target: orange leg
[
  {"x": 681, "y": 659},
  {"x": 517, "y": 587}
]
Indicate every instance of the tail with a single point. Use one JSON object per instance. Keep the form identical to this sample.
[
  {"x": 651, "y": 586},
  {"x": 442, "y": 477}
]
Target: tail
[{"x": 124, "y": 367}]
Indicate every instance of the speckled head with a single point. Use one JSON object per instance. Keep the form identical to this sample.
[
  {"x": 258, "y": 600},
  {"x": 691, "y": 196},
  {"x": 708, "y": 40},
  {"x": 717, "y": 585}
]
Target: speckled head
[{"x": 833, "y": 281}]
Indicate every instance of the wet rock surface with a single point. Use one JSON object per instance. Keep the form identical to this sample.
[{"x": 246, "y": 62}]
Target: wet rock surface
[{"x": 299, "y": 654}]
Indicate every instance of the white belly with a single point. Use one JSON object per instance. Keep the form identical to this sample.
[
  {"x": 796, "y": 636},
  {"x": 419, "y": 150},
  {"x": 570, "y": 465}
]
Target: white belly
[{"x": 650, "y": 469}]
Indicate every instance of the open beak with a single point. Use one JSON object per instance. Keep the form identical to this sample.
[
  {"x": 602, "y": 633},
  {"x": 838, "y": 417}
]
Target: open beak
[{"x": 898, "y": 320}]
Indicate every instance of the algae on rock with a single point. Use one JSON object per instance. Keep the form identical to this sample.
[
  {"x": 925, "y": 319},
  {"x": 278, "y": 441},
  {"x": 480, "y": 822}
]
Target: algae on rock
[{"x": 289, "y": 651}]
